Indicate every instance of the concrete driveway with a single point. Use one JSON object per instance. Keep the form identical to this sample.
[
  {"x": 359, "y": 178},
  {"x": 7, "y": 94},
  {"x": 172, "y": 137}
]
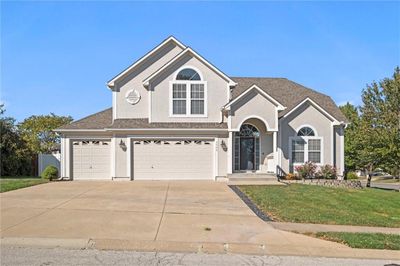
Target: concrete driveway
[{"x": 147, "y": 215}]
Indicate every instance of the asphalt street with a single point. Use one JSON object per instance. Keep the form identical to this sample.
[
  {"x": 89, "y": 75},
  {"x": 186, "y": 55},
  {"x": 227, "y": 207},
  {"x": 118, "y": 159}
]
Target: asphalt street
[{"x": 57, "y": 256}]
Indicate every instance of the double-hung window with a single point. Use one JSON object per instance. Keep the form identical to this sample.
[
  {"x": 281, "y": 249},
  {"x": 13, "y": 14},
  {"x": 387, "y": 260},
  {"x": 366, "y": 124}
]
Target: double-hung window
[
  {"x": 179, "y": 99},
  {"x": 306, "y": 146},
  {"x": 189, "y": 94}
]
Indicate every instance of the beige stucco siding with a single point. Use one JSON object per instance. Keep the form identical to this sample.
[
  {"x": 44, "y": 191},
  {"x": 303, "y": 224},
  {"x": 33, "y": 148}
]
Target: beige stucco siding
[
  {"x": 217, "y": 92},
  {"x": 121, "y": 157},
  {"x": 306, "y": 115},
  {"x": 134, "y": 80},
  {"x": 255, "y": 105}
]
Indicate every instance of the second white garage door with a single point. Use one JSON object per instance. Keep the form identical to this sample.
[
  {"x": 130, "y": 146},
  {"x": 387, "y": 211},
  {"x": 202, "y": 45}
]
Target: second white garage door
[{"x": 172, "y": 159}]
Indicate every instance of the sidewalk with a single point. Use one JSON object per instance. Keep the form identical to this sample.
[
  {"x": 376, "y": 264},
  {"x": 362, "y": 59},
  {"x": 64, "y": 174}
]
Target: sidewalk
[
  {"x": 315, "y": 228},
  {"x": 298, "y": 245}
]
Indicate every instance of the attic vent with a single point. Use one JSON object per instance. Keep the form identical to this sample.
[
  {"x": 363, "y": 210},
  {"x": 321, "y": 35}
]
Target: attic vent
[{"x": 132, "y": 96}]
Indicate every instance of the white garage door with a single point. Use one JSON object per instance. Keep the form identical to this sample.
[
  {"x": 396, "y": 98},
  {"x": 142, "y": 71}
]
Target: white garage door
[
  {"x": 172, "y": 159},
  {"x": 91, "y": 159}
]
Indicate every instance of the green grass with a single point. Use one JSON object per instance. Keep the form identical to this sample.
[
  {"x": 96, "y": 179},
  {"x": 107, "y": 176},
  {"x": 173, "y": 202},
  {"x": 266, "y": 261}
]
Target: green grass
[
  {"x": 316, "y": 204},
  {"x": 12, "y": 183},
  {"x": 363, "y": 240}
]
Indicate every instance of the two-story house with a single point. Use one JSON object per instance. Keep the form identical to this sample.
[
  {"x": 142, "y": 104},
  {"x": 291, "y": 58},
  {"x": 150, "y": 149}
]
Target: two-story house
[{"x": 174, "y": 115}]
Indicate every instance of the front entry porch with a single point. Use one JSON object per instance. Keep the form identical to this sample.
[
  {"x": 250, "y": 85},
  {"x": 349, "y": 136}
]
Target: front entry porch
[{"x": 254, "y": 148}]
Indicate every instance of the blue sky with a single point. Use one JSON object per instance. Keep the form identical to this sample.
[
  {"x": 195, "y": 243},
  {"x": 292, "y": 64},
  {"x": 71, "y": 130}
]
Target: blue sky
[{"x": 57, "y": 56}]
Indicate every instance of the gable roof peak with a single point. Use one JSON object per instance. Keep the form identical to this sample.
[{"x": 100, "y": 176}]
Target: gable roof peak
[
  {"x": 196, "y": 55},
  {"x": 111, "y": 83}
]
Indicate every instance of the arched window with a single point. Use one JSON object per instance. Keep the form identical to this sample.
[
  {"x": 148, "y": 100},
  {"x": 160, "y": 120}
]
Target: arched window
[
  {"x": 188, "y": 74},
  {"x": 248, "y": 131},
  {"x": 305, "y": 132},
  {"x": 306, "y": 146},
  {"x": 188, "y": 95}
]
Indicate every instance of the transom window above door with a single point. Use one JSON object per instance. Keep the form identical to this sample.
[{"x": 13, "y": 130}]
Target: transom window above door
[{"x": 188, "y": 95}]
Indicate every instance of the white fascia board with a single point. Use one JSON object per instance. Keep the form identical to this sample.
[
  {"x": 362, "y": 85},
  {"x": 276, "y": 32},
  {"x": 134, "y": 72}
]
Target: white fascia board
[
  {"x": 111, "y": 83},
  {"x": 322, "y": 110},
  {"x": 199, "y": 57},
  {"x": 279, "y": 106},
  {"x": 166, "y": 129},
  {"x": 79, "y": 130}
]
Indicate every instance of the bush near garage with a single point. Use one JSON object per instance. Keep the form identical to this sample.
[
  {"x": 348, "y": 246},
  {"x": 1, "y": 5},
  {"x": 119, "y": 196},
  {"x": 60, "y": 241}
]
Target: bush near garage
[{"x": 50, "y": 173}]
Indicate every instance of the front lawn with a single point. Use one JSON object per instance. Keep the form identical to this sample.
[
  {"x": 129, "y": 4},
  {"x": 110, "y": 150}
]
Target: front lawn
[
  {"x": 363, "y": 240},
  {"x": 12, "y": 183},
  {"x": 316, "y": 204}
]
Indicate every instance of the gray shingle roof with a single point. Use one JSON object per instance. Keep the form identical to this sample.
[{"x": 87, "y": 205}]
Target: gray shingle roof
[
  {"x": 288, "y": 93},
  {"x": 103, "y": 120},
  {"x": 144, "y": 123},
  {"x": 98, "y": 120}
]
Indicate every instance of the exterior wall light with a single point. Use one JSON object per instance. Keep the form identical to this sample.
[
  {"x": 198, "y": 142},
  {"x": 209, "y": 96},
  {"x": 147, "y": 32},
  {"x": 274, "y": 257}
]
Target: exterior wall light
[
  {"x": 122, "y": 145},
  {"x": 223, "y": 145}
]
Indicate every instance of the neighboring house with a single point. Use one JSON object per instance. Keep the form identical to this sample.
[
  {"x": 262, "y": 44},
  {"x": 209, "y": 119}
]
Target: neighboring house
[{"x": 174, "y": 115}]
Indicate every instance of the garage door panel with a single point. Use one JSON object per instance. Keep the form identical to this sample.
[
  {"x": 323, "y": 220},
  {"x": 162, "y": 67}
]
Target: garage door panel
[
  {"x": 91, "y": 159},
  {"x": 181, "y": 159}
]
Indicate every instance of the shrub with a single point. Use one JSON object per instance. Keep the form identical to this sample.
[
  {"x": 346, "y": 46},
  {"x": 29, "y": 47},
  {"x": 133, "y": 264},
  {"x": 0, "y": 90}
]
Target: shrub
[
  {"x": 351, "y": 175},
  {"x": 291, "y": 177},
  {"x": 50, "y": 172},
  {"x": 306, "y": 170},
  {"x": 327, "y": 171}
]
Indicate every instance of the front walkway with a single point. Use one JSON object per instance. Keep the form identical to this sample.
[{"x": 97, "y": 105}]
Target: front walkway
[
  {"x": 315, "y": 228},
  {"x": 186, "y": 216}
]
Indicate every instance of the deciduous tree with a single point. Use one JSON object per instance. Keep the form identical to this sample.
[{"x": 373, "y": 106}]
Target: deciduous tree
[{"x": 38, "y": 132}]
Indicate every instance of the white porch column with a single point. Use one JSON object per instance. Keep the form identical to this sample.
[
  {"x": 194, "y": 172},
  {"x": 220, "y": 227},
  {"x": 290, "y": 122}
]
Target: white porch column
[
  {"x": 230, "y": 152},
  {"x": 275, "y": 150}
]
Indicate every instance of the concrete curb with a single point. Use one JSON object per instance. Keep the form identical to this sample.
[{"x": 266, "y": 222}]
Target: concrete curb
[
  {"x": 207, "y": 247},
  {"x": 68, "y": 243}
]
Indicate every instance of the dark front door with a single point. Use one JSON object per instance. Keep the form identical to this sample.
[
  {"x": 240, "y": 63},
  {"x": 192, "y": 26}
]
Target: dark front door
[{"x": 246, "y": 153}]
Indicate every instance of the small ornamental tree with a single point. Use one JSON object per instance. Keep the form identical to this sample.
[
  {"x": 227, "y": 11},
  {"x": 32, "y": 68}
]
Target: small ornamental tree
[{"x": 306, "y": 170}]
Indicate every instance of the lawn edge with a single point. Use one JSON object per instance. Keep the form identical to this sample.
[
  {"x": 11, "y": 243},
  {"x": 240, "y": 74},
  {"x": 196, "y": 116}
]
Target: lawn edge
[{"x": 257, "y": 211}]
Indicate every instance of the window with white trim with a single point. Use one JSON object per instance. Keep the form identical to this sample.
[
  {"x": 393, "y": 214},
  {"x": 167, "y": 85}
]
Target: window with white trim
[
  {"x": 179, "y": 99},
  {"x": 298, "y": 146},
  {"x": 188, "y": 94},
  {"x": 306, "y": 146}
]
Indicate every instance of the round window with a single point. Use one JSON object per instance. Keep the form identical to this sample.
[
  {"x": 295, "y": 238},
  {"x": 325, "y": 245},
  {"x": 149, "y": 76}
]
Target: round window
[{"x": 132, "y": 96}]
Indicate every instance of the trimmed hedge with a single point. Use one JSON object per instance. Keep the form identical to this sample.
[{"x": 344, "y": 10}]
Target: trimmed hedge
[{"x": 50, "y": 172}]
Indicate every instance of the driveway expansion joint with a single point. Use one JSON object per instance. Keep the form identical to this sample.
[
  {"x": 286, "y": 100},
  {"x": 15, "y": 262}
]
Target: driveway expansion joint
[{"x": 162, "y": 214}]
